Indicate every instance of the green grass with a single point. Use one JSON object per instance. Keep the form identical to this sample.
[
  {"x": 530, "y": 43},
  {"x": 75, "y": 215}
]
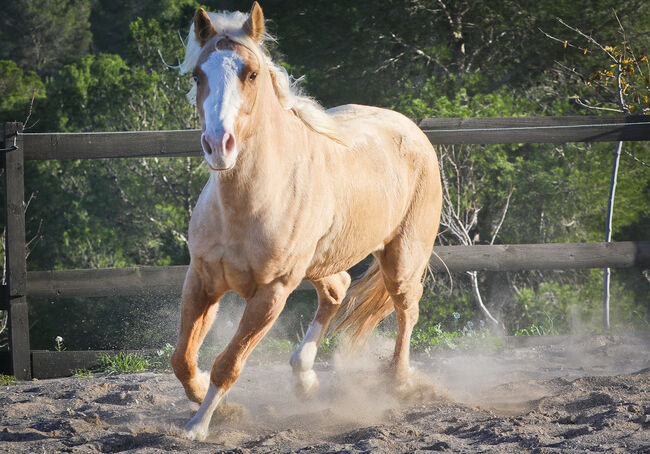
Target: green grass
[
  {"x": 6, "y": 380},
  {"x": 433, "y": 338},
  {"x": 539, "y": 329},
  {"x": 82, "y": 373},
  {"x": 328, "y": 345},
  {"x": 124, "y": 363},
  {"x": 273, "y": 347},
  {"x": 268, "y": 350},
  {"x": 161, "y": 361}
]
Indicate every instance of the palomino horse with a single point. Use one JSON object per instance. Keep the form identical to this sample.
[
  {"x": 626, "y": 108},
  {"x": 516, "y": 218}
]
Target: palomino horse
[{"x": 296, "y": 192}]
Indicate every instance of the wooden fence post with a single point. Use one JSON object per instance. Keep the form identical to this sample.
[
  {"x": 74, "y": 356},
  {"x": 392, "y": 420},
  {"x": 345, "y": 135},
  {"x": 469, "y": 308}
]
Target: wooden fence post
[{"x": 14, "y": 292}]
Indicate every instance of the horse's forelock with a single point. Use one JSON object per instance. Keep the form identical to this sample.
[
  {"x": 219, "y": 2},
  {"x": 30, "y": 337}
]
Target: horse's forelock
[{"x": 227, "y": 25}]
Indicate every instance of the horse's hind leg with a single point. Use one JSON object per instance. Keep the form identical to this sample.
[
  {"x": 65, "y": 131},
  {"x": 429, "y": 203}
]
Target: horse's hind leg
[
  {"x": 198, "y": 309},
  {"x": 331, "y": 291},
  {"x": 402, "y": 266},
  {"x": 406, "y": 299}
]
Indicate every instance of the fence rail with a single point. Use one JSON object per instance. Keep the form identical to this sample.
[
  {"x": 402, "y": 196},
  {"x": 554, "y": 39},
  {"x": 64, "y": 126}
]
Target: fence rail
[
  {"x": 505, "y": 257},
  {"x": 142, "y": 144},
  {"x": 536, "y": 129},
  {"x": 24, "y": 363}
]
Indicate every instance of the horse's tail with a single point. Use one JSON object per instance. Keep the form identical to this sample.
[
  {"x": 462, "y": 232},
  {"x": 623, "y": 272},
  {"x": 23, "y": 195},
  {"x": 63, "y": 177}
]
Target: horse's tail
[{"x": 366, "y": 304}]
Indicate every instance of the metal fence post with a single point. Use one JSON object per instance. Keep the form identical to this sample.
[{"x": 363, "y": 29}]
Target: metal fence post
[{"x": 14, "y": 299}]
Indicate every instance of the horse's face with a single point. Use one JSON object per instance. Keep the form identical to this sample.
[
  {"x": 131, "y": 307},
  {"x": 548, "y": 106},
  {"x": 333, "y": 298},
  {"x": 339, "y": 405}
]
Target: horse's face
[{"x": 226, "y": 78}]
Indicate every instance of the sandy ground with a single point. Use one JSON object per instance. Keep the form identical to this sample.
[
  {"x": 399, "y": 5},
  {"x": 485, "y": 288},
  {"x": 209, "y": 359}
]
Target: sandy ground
[{"x": 564, "y": 394}]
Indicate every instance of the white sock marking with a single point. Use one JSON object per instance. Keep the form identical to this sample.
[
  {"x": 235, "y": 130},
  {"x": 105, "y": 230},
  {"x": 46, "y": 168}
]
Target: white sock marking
[
  {"x": 197, "y": 428},
  {"x": 303, "y": 358}
]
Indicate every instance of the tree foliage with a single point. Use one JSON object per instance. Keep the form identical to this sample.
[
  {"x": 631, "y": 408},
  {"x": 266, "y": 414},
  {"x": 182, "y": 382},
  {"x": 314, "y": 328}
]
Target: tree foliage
[{"x": 42, "y": 34}]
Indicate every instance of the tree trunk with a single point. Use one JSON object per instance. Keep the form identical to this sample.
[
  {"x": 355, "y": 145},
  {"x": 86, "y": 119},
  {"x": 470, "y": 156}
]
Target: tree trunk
[
  {"x": 473, "y": 275},
  {"x": 608, "y": 230}
]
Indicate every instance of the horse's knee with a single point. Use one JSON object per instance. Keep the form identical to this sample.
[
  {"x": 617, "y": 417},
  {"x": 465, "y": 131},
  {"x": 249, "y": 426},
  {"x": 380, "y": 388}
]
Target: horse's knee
[{"x": 181, "y": 367}]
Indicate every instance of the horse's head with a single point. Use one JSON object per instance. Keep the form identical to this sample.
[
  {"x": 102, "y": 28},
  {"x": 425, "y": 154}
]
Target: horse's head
[
  {"x": 232, "y": 74},
  {"x": 226, "y": 73}
]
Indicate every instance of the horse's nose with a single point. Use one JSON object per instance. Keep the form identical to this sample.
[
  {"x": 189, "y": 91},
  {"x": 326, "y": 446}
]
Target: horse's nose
[
  {"x": 205, "y": 142},
  {"x": 223, "y": 145},
  {"x": 228, "y": 143}
]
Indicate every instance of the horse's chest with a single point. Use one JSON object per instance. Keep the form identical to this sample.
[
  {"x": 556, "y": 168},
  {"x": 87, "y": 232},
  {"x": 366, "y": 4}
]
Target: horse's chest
[{"x": 242, "y": 256}]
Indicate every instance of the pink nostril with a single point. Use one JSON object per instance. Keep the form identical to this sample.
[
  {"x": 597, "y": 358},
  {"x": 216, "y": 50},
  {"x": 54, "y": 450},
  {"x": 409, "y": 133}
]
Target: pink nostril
[{"x": 228, "y": 142}]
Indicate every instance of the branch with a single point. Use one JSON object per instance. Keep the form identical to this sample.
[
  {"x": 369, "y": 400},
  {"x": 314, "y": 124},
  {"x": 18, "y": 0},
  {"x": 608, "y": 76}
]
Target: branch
[
  {"x": 450, "y": 217},
  {"x": 29, "y": 114},
  {"x": 419, "y": 51},
  {"x": 503, "y": 216},
  {"x": 584, "y": 79},
  {"x": 479, "y": 301},
  {"x": 590, "y": 39},
  {"x": 36, "y": 238},
  {"x": 635, "y": 158},
  {"x": 565, "y": 42},
  {"x": 584, "y": 104}
]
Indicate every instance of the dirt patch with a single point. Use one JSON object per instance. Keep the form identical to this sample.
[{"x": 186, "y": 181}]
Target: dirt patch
[{"x": 564, "y": 394}]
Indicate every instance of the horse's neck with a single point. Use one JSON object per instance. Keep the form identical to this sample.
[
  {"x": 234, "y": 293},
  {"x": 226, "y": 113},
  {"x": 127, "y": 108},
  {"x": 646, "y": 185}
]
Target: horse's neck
[{"x": 266, "y": 161}]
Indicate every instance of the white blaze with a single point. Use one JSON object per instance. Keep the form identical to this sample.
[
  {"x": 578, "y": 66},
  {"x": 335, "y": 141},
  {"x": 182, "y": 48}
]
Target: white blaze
[{"x": 221, "y": 106}]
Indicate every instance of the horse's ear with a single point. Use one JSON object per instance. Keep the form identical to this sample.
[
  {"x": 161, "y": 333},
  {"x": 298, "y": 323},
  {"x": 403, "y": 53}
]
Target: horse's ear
[
  {"x": 254, "y": 25},
  {"x": 203, "y": 28}
]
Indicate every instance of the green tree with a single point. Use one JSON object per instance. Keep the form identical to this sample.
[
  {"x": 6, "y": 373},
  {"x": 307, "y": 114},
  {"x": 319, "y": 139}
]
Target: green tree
[
  {"x": 19, "y": 90},
  {"x": 43, "y": 34}
]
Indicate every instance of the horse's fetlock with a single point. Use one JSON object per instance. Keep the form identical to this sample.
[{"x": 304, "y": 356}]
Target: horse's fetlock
[{"x": 302, "y": 359}]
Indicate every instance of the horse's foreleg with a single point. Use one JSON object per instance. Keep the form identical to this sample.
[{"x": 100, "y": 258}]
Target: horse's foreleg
[
  {"x": 331, "y": 291},
  {"x": 198, "y": 309},
  {"x": 261, "y": 312}
]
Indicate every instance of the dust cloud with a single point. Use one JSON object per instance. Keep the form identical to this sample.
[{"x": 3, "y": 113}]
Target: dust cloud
[{"x": 355, "y": 390}]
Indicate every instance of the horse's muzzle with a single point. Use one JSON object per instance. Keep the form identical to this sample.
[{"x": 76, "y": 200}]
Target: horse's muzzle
[{"x": 220, "y": 150}]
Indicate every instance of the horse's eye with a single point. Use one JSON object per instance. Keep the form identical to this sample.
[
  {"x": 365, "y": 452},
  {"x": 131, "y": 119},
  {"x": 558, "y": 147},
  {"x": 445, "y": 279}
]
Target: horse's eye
[
  {"x": 252, "y": 76},
  {"x": 195, "y": 79}
]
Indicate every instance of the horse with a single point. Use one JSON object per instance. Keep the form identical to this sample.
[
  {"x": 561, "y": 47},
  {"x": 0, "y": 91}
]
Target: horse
[{"x": 295, "y": 192}]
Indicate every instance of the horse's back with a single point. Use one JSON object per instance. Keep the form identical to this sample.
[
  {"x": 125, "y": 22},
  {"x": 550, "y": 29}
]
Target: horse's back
[
  {"x": 375, "y": 133},
  {"x": 356, "y": 118}
]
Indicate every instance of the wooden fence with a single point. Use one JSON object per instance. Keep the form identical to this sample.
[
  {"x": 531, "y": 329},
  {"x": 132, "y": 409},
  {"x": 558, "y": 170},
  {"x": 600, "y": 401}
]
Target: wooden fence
[{"x": 18, "y": 147}]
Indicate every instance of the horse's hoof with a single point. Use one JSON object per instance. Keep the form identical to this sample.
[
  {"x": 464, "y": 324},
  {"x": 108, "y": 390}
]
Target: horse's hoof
[
  {"x": 306, "y": 385},
  {"x": 196, "y": 433},
  {"x": 197, "y": 387},
  {"x": 418, "y": 388},
  {"x": 403, "y": 377}
]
